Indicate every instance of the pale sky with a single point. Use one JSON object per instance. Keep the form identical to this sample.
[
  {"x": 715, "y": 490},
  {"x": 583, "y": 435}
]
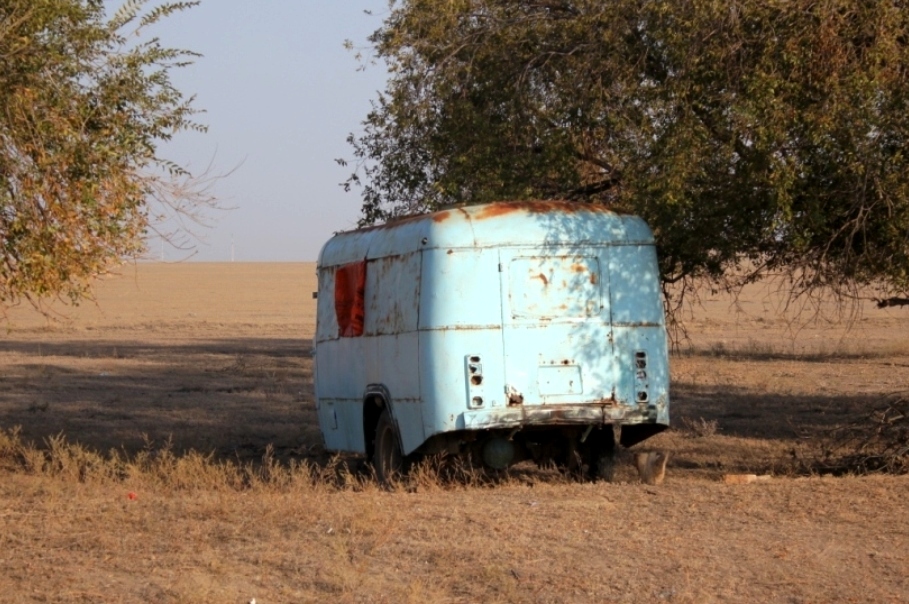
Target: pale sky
[{"x": 281, "y": 94}]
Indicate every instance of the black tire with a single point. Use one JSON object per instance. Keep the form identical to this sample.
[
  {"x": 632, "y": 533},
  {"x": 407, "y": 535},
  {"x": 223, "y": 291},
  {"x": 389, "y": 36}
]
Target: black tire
[
  {"x": 604, "y": 465},
  {"x": 387, "y": 460},
  {"x": 604, "y": 450}
]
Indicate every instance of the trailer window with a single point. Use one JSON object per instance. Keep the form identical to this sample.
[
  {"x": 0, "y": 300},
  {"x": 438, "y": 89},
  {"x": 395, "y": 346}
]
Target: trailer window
[{"x": 350, "y": 290}]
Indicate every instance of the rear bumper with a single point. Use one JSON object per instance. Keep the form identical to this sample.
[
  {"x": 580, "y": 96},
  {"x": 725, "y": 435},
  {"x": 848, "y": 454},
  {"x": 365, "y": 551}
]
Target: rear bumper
[{"x": 566, "y": 415}]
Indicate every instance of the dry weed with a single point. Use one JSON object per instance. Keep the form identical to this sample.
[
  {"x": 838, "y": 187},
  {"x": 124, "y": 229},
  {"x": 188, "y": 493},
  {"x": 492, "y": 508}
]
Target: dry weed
[
  {"x": 700, "y": 427},
  {"x": 877, "y": 442},
  {"x": 437, "y": 472},
  {"x": 165, "y": 470},
  {"x": 162, "y": 468}
]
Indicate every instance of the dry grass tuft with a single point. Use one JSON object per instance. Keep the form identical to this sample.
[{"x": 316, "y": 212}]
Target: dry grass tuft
[
  {"x": 439, "y": 472},
  {"x": 162, "y": 469},
  {"x": 875, "y": 442},
  {"x": 700, "y": 427}
]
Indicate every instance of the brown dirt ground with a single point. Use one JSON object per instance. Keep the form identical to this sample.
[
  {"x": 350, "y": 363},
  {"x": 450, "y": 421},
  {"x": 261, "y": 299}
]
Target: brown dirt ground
[{"x": 216, "y": 358}]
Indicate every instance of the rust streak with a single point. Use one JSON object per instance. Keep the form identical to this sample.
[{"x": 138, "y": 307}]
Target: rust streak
[
  {"x": 499, "y": 208},
  {"x": 538, "y": 207}
]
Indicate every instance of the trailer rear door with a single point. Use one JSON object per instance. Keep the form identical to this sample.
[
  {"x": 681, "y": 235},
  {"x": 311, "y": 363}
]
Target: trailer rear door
[{"x": 557, "y": 335}]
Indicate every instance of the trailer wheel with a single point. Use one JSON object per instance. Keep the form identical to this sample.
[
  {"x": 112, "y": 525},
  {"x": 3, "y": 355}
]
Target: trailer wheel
[
  {"x": 387, "y": 459},
  {"x": 604, "y": 465},
  {"x": 603, "y": 455}
]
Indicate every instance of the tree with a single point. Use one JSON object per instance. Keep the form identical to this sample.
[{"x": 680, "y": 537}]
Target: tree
[
  {"x": 85, "y": 101},
  {"x": 754, "y": 137}
]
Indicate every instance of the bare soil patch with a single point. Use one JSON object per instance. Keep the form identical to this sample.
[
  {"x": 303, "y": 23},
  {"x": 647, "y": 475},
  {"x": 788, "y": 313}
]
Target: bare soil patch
[{"x": 216, "y": 358}]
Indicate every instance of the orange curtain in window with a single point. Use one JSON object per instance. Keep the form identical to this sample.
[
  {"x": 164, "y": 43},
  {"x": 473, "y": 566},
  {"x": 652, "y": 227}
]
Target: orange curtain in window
[{"x": 350, "y": 297}]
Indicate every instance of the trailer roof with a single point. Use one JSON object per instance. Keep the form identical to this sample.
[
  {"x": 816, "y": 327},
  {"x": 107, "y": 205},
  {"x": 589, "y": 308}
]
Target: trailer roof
[{"x": 524, "y": 223}]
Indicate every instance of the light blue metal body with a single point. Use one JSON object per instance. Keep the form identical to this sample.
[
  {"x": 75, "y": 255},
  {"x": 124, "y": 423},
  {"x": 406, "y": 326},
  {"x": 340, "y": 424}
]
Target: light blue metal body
[{"x": 507, "y": 315}]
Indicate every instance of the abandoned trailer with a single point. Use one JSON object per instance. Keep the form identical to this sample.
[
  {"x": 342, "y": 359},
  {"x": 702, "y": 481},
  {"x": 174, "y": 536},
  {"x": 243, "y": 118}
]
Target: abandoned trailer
[{"x": 504, "y": 332}]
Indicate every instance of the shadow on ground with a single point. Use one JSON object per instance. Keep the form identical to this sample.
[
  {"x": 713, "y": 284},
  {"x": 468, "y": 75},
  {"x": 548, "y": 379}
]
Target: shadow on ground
[
  {"x": 234, "y": 397},
  {"x": 227, "y": 396},
  {"x": 746, "y": 413}
]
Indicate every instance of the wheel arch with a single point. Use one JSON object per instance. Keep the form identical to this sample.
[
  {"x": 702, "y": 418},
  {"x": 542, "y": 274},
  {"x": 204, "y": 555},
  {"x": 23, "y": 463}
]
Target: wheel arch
[{"x": 375, "y": 400}]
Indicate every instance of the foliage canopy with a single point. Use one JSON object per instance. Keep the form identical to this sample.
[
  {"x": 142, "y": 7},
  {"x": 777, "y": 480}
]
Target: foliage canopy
[
  {"x": 752, "y": 136},
  {"x": 84, "y": 102}
]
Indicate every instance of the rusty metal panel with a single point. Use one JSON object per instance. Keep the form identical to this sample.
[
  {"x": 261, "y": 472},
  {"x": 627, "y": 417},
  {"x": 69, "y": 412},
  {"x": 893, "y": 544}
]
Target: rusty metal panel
[
  {"x": 326, "y": 321},
  {"x": 556, "y": 325},
  {"x": 555, "y": 415},
  {"x": 393, "y": 295},
  {"x": 547, "y": 288},
  {"x": 507, "y": 224}
]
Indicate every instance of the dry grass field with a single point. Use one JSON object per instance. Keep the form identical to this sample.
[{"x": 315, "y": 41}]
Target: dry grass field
[{"x": 161, "y": 445}]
